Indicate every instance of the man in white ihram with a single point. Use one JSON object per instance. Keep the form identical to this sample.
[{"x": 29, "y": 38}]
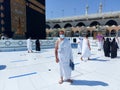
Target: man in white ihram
[
  {"x": 79, "y": 41},
  {"x": 63, "y": 55},
  {"x": 29, "y": 45}
]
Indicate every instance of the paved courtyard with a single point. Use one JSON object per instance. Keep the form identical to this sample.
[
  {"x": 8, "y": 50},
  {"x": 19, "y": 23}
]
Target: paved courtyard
[{"x": 20, "y": 70}]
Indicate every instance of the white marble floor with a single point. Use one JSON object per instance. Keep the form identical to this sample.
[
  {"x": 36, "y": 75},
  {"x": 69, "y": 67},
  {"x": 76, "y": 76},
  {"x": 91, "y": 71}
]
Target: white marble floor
[{"x": 20, "y": 70}]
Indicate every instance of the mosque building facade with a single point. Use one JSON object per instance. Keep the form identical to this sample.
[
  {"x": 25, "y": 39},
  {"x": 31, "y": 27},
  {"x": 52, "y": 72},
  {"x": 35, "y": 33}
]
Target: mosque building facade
[{"x": 107, "y": 23}]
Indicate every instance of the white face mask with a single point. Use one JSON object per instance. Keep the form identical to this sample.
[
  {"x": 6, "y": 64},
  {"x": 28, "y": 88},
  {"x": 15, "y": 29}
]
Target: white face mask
[{"x": 62, "y": 36}]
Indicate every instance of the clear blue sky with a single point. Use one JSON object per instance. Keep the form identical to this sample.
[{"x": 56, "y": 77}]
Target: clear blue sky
[{"x": 66, "y": 8}]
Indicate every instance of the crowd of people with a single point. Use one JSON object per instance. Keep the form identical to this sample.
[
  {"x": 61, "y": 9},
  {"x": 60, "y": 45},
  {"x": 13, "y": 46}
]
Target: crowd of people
[
  {"x": 63, "y": 51},
  {"x": 110, "y": 47},
  {"x": 108, "y": 44},
  {"x": 64, "y": 55}
]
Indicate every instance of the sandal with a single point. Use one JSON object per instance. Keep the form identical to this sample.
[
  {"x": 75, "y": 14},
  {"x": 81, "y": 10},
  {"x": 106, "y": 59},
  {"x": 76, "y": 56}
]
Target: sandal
[{"x": 61, "y": 81}]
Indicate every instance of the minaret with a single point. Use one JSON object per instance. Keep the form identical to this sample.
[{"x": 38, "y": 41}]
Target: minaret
[
  {"x": 86, "y": 10},
  {"x": 100, "y": 8}
]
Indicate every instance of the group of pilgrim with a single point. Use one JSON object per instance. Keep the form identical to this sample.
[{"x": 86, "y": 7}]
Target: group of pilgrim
[{"x": 109, "y": 45}]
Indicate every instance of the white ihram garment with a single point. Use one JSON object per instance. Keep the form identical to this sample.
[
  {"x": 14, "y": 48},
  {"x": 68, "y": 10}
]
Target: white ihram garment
[
  {"x": 99, "y": 44},
  {"x": 64, "y": 55},
  {"x": 29, "y": 45},
  {"x": 85, "y": 49},
  {"x": 79, "y": 41}
]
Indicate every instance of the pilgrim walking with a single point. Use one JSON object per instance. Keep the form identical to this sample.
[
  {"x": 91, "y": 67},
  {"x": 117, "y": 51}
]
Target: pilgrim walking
[
  {"x": 86, "y": 48},
  {"x": 106, "y": 47},
  {"x": 114, "y": 47}
]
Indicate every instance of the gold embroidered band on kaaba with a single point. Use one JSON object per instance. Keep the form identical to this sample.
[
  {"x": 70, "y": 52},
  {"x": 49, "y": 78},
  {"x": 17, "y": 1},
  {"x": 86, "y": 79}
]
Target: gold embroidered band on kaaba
[{"x": 37, "y": 6}]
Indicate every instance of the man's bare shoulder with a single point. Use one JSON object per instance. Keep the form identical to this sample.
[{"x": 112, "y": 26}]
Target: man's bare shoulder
[{"x": 57, "y": 40}]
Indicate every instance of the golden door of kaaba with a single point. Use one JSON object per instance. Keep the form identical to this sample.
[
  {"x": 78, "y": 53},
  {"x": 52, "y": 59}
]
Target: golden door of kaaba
[{"x": 18, "y": 18}]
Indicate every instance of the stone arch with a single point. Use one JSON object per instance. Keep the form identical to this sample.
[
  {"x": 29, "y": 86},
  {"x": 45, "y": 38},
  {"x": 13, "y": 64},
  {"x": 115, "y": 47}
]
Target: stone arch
[
  {"x": 57, "y": 26},
  {"x": 67, "y": 25},
  {"x": 80, "y": 24},
  {"x": 111, "y": 22},
  {"x": 94, "y": 23},
  {"x": 47, "y": 26}
]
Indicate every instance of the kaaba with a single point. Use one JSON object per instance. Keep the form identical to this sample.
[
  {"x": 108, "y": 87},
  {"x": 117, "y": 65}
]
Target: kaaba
[{"x": 20, "y": 19}]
